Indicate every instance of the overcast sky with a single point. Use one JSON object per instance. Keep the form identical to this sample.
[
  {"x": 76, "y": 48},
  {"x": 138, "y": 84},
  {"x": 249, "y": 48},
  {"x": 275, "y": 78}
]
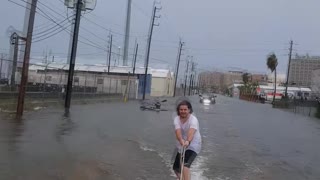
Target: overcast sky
[{"x": 220, "y": 34}]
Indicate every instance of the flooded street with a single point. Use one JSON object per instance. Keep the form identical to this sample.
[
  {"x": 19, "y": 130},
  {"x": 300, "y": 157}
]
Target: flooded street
[{"x": 241, "y": 140}]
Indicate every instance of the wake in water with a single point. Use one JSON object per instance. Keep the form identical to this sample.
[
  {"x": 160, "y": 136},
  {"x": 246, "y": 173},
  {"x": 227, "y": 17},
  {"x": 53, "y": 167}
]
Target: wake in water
[{"x": 197, "y": 169}]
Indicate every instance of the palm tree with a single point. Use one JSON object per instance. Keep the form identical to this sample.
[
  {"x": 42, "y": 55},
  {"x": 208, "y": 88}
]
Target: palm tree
[
  {"x": 254, "y": 87},
  {"x": 272, "y": 63},
  {"x": 245, "y": 78},
  {"x": 241, "y": 90}
]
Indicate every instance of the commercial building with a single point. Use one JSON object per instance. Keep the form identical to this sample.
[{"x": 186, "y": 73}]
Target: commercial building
[
  {"x": 96, "y": 79},
  {"x": 301, "y": 69}
]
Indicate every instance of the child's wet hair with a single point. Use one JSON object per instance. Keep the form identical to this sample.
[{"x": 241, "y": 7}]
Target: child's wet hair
[{"x": 184, "y": 103}]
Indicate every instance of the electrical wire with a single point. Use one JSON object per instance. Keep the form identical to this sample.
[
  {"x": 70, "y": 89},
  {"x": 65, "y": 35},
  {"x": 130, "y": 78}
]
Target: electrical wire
[{"x": 38, "y": 39}]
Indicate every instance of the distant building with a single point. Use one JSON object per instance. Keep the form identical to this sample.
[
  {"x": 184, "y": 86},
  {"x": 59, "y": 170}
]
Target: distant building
[
  {"x": 294, "y": 92},
  {"x": 220, "y": 81},
  {"x": 301, "y": 69},
  {"x": 162, "y": 82},
  {"x": 88, "y": 79},
  {"x": 210, "y": 80},
  {"x": 259, "y": 78},
  {"x": 281, "y": 79},
  {"x": 315, "y": 82},
  {"x": 96, "y": 79},
  {"x": 232, "y": 77}
]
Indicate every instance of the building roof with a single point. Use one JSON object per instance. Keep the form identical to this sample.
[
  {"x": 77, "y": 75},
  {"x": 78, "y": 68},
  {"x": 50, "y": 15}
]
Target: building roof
[
  {"x": 305, "y": 57},
  {"x": 279, "y": 88},
  {"x": 101, "y": 68},
  {"x": 160, "y": 73}
]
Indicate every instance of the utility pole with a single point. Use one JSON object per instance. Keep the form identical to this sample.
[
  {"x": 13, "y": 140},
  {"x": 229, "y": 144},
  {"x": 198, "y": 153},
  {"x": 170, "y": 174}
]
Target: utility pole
[
  {"x": 191, "y": 77},
  {"x": 177, "y": 69},
  {"x": 110, "y": 52},
  {"x": 26, "y": 59},
  {"x": 73, "y": 54},
  {"x": 288, "y": 72},
  {"x": 71, "y": 32},
  {"x": 199, "y": 82},
  {"x": 195, "y": 78},
  {"x": 119, "y": 55},
  {"x": 14, "y": 41},
  {"x": 1, "y": 60},
  {"x": 194, "y": 82},
  {"x": 127, "y": 34},
  {"x": 135, "y": 58},
  {"x": 185, "y": 80},
  {"x": 148, "y": 49}
]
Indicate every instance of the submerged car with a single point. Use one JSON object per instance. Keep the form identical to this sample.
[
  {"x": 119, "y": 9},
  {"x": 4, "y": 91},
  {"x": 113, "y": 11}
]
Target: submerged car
[
  {"x": 206, "y": 99},
  {"x": 152, "y": 105}
]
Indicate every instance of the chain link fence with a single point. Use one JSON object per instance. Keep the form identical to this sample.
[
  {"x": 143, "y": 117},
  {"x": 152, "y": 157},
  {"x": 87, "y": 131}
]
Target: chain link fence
[
  {"x": 299, "y": 106},
  {"x": 47, "y": 84}
]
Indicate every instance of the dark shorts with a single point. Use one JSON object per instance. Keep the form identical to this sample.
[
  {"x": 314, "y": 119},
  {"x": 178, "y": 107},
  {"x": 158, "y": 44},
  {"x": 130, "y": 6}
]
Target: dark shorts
[{"x": 188, "y": 159}]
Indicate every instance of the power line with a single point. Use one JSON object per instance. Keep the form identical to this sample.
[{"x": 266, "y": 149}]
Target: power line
[
  {"x": 57, "y": 52},
  {"x": 92, "y": 14},
  {"x": 46, "y": 25},
  {"x": 53, "y": 29},
  {"x": 59, "y": 13},
  {"x": 141, "y": 10},
  {"x": 48, "y": 2},
  {"x": 114, "y": 32},
  {"x": 99, "y": 37},
  {"x": 93, "y": 44},
  {"x": 39, "y": 39},
  {"x": 228, "y": 49},
  {"x": 89, "y": 42},
  {"x": 67, "y": 18},
  {"x": 44, "y": 15},
  {"x": 96, "y": 16},
  {"x": 107, "y": 29}
]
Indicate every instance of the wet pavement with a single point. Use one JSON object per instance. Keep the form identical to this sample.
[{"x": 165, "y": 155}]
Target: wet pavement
[{"x": 241, "y": 140}]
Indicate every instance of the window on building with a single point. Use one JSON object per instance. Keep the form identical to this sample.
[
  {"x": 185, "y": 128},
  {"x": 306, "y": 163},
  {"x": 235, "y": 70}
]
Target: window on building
[
  {"x": 48, "y": 78},
  {"x": 100, "y": 81},
  {"x": 124, "y": 82},
  {"x": 76, "y": 79}
]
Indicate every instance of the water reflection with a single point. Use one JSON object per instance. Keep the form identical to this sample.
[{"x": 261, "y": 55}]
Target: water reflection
[
  {"x": 65, "y": 126},
  {"x": 14, "y": 132}
]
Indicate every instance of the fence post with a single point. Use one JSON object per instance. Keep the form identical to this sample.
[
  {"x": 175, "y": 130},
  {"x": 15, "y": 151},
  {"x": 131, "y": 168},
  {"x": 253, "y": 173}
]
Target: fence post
[
  {"x": 102, "y": 84},
  {"x": 310, "y": 112},
  {"x": 117, "y": 86},
  {"x": 129, "y": 88}
]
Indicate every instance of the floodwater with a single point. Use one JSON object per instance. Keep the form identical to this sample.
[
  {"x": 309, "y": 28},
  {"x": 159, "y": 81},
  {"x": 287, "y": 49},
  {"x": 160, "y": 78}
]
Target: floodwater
[{"x": 241, "y": 140}]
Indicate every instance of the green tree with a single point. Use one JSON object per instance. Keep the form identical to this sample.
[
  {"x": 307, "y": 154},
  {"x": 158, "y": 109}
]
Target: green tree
[{"x": 272, "y": 63}]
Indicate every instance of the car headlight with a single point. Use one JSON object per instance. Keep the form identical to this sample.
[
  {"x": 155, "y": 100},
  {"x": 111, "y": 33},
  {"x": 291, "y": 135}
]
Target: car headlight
[{"x": 206, "y": 101}]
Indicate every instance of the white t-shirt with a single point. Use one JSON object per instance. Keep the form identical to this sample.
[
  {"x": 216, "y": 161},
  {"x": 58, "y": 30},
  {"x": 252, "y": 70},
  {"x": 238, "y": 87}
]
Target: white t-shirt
[{"x": 192, "y": 122}]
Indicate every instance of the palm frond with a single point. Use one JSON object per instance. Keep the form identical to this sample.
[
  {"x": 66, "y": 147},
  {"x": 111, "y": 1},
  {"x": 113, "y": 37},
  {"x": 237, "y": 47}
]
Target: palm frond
[{"x": 272, "y": 62}]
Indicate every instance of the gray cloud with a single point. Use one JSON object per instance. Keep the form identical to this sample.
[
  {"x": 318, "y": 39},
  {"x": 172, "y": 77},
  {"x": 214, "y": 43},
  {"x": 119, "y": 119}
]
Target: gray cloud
[{"x": 219, "y": 34}]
